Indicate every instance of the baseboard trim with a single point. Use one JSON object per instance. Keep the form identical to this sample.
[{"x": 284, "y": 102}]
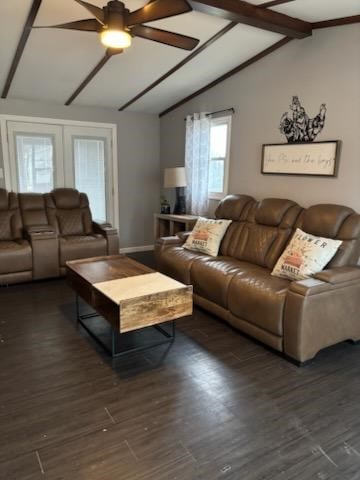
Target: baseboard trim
[{"x": 143, "y": 248}]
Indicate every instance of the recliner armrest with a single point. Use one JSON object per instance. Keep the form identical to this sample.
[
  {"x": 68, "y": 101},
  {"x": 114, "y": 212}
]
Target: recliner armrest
[
  {"x": 111, "y": 235},
  {"x": 104, "y": 229},
  {"x": 40, "y": 232},
  {"x": 40, "y": 229}
]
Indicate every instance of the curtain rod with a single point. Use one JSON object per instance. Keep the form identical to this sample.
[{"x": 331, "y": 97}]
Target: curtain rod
[{"x": 218, "y": 112}]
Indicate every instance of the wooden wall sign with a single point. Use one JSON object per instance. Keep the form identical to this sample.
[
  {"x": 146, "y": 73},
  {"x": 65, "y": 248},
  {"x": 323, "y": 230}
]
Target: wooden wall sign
[{"x": 315, "y": 158}]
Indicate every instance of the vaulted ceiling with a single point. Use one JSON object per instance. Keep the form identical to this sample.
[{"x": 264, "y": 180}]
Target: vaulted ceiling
[{"x": 54, "y": 63}]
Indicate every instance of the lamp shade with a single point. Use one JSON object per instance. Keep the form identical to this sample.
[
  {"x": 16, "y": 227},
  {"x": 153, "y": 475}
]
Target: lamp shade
[{"x": 174, "y": 177}]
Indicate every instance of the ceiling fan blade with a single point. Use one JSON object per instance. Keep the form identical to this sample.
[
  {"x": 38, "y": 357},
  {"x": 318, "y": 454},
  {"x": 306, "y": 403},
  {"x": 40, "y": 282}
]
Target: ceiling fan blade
[
  {"x": 94, "y": 10},
  {"x": 156, "y": 10},
  {"x": 163, "y": 36},
  {"x": 90, "y": 25}
]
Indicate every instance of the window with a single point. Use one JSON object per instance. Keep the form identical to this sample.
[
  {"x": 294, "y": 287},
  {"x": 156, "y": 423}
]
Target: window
[
  {"x": 35, "y": 163},
  {"x": 220, "y": 130},
  {"x": 89, "y": 163}
]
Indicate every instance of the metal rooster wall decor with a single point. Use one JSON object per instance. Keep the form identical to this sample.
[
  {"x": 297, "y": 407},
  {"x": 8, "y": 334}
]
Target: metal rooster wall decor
[{"x": 298, "y": 127}]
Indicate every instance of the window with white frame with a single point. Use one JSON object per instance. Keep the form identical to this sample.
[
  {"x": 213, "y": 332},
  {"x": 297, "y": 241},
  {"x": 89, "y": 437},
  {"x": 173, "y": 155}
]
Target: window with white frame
[{"x": 220, "y": 131}]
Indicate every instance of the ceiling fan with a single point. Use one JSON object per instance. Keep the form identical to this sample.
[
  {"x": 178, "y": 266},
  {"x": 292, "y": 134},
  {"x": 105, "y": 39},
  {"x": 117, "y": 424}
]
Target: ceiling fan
[{"x": 116, "y": 25}]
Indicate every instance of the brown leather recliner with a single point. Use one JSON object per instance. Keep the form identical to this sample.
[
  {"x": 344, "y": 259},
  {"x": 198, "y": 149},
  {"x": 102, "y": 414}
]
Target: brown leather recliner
[
  {"x": 15, "y": 251},
  {"x": 39, "y": 233},
  {"x": 79, "y": 237},
  {"x": 297, "y": 318}
]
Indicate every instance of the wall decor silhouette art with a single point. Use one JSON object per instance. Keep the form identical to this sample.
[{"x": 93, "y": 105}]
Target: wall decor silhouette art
[{"x": 298, "y": 127}]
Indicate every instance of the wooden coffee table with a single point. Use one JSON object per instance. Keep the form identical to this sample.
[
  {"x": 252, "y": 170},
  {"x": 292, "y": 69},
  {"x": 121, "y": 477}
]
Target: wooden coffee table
[{"x": 129, "y": 296}]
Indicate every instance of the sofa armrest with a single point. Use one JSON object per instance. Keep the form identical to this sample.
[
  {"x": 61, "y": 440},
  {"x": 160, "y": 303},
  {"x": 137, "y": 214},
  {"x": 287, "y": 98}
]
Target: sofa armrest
[
  {"x": 184, "y": 235},
  {"x": 162, "y": 244},
  {"x": 111, "y": 235},
  {"x": 177, "y": 239},
  {"x": 169, "y": 241},
  {"x": 322, "y": 311},
  {"x": 105, "y": 229},
  {"x": 339, "y": 275}
]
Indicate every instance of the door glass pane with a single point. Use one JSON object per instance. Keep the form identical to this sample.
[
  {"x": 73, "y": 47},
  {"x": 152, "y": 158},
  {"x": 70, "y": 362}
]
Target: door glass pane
[
  {"x": 89, "y": 166},
  {"x": 35, "y": 163}
]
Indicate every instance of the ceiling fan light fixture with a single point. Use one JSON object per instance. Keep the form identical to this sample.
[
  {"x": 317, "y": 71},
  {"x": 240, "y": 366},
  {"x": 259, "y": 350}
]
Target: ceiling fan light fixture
[{"x": 115, "y": 38}]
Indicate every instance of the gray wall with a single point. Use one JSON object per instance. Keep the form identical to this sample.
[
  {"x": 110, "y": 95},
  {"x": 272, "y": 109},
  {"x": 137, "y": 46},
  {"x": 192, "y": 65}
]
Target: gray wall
[
  {"x": 321, "y": 69},
  {"x": 138, "y": 157}
]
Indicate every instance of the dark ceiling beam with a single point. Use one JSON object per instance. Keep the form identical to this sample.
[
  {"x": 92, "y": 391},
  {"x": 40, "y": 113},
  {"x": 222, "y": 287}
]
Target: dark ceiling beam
[
  {"x": 230, "y": 73},
  {"x": 186, "y": 60},
  {"x": 190, "y": 57},
  {"x": 249, "y": 14},
  {"x": 335, "y": 22},
  {"x": 21, "y": 46},
  {"x": 88, "y": 79},
  {"x": 274, "y": 3}
]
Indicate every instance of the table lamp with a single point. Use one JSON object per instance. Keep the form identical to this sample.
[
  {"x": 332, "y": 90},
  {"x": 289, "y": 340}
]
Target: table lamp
[{"x": 176, "y": 178}]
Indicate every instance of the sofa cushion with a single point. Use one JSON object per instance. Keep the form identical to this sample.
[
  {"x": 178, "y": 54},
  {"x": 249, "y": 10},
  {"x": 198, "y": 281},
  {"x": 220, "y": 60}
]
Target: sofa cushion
[
  {"x": 15, "y": 256},
  {"x": 75, "y": 247},
  {"x": 261, "y": 237},
  {"x": 257, "y": 297},
  {"x": 338, "y": 222},
  {"x": 177, "y": 261},
  {"x": 325, "y": 220},
  {"x": 70, "y": 222},
  {"x": 32, "y": 206},
  {"x": 275, "y": 211},
  {"x": 66, "y": 198},
  {"x": 211, "y": 278},
  {"x": 68, "y": 212},
  {"x": 5, "y": 225},
  {"x": 10, "y": 219},
  {"x": 234, "y": 207}
]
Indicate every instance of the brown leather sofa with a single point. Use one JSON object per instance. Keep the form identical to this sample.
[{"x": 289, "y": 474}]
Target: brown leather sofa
[
  {"x": 16, "y": 263},
  {"x": 296, "y": 318},
  {"x": 40, "y": 233}
]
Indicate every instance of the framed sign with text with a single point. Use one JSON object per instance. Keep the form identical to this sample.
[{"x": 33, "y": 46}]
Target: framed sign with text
[{"x": 315, "y": 158}]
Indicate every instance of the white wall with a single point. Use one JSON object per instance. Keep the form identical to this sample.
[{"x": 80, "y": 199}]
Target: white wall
[
  {"x": 322, "y": 69},
  {"x": 138, "y": 157}
]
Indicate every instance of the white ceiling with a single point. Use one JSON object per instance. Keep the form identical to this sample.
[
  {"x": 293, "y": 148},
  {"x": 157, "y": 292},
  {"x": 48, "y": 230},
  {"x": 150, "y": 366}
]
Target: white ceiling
[{"x": 55, "y": 62}]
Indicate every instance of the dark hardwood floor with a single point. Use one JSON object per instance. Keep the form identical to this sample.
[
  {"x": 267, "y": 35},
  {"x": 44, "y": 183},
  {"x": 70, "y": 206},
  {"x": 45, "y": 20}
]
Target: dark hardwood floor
[{"x": 215, "y": 406}]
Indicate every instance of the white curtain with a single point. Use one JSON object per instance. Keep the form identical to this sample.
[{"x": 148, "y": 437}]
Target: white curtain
[{"x": 197, "y": 163}]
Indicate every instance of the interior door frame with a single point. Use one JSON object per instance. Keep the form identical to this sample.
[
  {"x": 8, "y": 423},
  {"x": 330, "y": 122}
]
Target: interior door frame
[{"x": 4, "y": 119}]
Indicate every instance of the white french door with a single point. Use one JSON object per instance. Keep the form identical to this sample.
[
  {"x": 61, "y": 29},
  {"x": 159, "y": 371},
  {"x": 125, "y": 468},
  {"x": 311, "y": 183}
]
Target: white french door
[
  {"x": 42, "y": 156},
  {"x": 88, "y": 166}
]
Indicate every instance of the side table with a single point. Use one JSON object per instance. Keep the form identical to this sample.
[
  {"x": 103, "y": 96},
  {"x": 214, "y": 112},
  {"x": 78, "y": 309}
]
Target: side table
[{"x": 170, "y": 224}]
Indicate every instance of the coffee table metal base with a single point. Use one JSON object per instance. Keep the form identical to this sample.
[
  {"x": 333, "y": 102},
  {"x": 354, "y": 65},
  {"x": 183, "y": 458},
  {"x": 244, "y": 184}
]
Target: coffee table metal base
[{"x": 115, "y": 350}]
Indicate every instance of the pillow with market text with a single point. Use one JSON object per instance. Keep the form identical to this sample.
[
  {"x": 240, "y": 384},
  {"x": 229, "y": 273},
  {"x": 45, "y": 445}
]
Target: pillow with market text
[
  {"x": 305, "y": 255},
  {"x": 207, "y": 235}
]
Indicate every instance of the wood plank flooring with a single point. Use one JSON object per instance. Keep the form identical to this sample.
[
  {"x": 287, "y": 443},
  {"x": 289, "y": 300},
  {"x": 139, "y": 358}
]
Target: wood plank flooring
[{"x": 214, "y": 406}]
